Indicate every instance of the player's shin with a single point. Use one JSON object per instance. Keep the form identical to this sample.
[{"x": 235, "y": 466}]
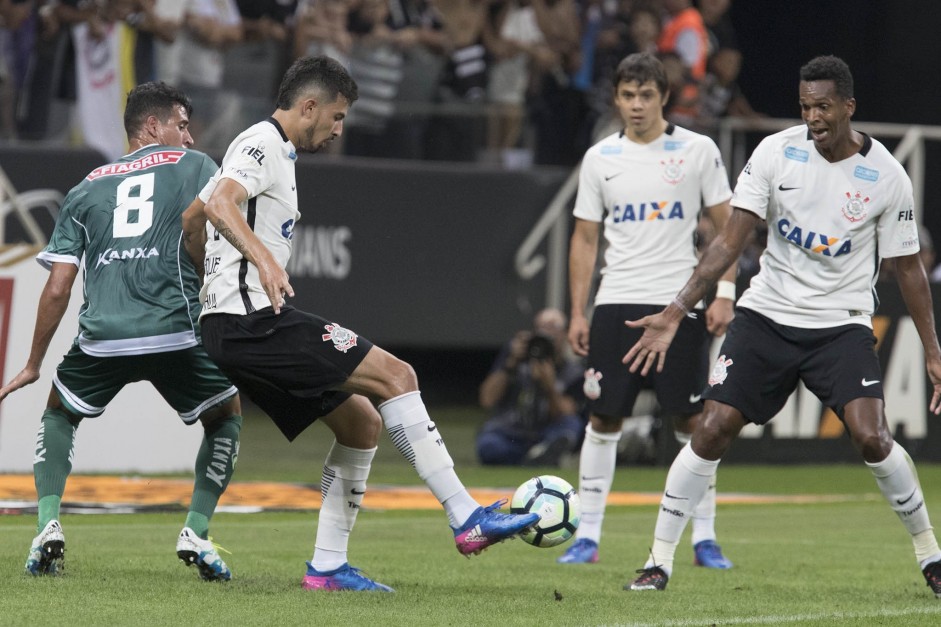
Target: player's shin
[
  {"x": 687, "y": 482},
  {"x": 52, "y": 462},
  {"x": 418, "y": 440},
  {"x": 898, "y": 482},
  {"x": 342, "y": 488},
  {"x": 215, "y": 463},
  {"x": 596, "y": 466}
]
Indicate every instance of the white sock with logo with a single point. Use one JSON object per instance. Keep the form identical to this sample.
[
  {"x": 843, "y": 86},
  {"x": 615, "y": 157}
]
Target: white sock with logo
[
  {"x": 687, "y": 482},
  {"x": 417, "y": 438},
  {"x": 596, "y": 464},
  {"x": 897, "y": 480},
  {"x": 342, "y": 486}
]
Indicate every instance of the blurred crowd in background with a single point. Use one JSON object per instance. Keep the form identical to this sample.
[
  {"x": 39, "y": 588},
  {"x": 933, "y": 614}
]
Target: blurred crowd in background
[{"x": 511, "y": 82}]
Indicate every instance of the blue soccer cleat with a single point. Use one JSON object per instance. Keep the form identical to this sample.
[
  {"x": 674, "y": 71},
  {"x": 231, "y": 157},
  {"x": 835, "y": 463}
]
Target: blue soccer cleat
[
  {"x": 486, "y": 527},
  {"x": 194, "y": 551},
  {"x": 47, "y": 552},
  {"x": 709, "y": 555},
  {"x": 343, "y": 578},
  {"x": 583, "y": 551}
]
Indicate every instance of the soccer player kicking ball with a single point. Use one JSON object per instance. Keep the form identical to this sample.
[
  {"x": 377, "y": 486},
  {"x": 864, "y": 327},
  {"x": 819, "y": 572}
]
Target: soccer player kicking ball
[
  {"x": 299, "y": 367},
  {"x": 807, "y": 314}
]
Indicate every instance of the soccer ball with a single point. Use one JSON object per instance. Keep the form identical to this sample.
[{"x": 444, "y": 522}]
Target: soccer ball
[{"x": 556, "y": 501}]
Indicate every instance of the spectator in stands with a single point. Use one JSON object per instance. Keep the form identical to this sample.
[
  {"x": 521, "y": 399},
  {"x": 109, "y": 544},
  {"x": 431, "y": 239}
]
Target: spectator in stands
[
  {"x": 684, "y": 35},
  {"x": 718, "y": 22},
  {"x": 719, "y": 92},
  {"x": 321, "y": 28},
  {"x": 534, "y": 395},
  {"x": 265, "y": 52},
  {"x": 195, "y": 62},
  {"x": 16, "y": 29},
  {"x": 683, "y": 103}
]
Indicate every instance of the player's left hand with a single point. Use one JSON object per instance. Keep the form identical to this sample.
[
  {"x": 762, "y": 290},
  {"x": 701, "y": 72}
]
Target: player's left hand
[
  {"x": 25, "y": 377},
  {"x": 719, "y": 315},
  {"x": 934, "y": 373}
]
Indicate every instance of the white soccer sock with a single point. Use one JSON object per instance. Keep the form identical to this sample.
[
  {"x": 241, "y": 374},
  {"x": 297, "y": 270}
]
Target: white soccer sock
[
  {"x": 417, "y": 438},
  {"x": 687, "y": 481},
  {"x": 896, "y": 477},
  {"x": 342, "y": 487},
  {"x": 704, "y": 515},
  {"x": 596, "y": 464}
]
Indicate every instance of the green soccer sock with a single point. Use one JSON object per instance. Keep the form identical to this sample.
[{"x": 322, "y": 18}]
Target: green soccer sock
[
  {"x": 215, "y": 463},
  {"x": 52, "y": 462}
]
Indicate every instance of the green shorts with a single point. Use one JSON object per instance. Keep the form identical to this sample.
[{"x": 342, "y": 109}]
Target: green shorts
[{"x": 187, "y": 379}]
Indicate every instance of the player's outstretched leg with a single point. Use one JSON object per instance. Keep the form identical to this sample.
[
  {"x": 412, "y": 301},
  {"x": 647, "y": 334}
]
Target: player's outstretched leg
[
  {"x": 47, "y": 551},
  {"x": 418, "y": 440},
  {"x": 898, "y": 482}
]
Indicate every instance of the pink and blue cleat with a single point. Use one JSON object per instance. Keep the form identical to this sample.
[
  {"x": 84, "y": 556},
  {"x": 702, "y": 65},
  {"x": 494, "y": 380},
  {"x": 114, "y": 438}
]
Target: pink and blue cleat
[
  {"x": 583, "y": 551},
  {"x": 343, "y": 578},
  {"x": 487, "y": 526},
  {"x": 709, "y": 555}
]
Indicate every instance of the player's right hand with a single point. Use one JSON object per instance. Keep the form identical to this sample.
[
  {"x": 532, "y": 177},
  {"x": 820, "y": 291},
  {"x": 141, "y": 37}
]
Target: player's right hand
[
  {"x": 659, "y": 330},
  {"x": 578, "y": 335},
  {"x": 274, "y": 279},
  {"x": 25, "y": 377}
]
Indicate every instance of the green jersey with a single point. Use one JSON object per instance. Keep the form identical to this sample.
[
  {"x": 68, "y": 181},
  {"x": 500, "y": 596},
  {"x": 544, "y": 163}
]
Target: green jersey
[{"x": 121, "y": 225}]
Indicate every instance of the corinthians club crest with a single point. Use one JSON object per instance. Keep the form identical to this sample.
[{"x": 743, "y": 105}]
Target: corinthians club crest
[
  {"x": 672, "y": 171},
  {"x": 343, "y": 339},
  {"x": 854, "y": 209}
]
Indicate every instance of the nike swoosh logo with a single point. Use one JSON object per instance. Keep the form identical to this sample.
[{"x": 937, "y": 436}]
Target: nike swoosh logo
[
  {"x": 357, "y": 492},
  {"x": 786, "y": 189},
  {"x": 292, "y": 188},
  {"x": 592, "y": 478},
  {"x": 432, "y": 427},
  {"x": 678, "y": 498},
  {"x": 866, "y": 384},
  {"x": 904, "y": 501},
  {"x": 608, "y": 178},
  {"x": 694, "y": 398}
]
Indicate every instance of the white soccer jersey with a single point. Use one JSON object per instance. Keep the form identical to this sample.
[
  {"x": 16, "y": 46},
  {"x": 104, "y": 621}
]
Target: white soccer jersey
[
  {"x": 261, "y": 160},
  {"x": 828, "y": 225},
  {"x": 649, "y": 197}
]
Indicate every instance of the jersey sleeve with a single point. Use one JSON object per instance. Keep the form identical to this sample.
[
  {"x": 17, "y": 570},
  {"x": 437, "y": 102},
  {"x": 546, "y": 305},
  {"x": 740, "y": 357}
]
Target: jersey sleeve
[
  {"x": 248, "y": 165},
  {"x": 589, "y": 204},
  {"x": 753, "y": 188},
  {"x": 67, "y": 243},
  {"x": 897, "y": 231},
  {"x": 715, "y": 179}
]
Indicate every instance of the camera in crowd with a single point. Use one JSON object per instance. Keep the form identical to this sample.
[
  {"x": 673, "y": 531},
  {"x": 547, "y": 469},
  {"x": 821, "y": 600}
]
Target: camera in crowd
[{"x": 540, "y": 347}]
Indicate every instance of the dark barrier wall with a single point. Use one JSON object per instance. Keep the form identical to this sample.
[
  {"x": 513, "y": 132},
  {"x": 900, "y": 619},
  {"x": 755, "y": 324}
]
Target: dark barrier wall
[{"x": 419, "y": 257}]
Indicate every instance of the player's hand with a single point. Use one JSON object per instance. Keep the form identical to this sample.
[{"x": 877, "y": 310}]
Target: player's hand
[
  {"x": 719, "y": 315},
  {"x": 659, "y": 330},
  {"x": 578, "y": 335},
  {"x": 274, "y": 279},
  {"x": 25, "y": 377},
  {"x": 934, "y": 373}
]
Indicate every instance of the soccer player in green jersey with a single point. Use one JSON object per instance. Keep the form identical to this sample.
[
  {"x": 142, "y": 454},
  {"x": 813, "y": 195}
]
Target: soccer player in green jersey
[{"x": 121, "y": 225}]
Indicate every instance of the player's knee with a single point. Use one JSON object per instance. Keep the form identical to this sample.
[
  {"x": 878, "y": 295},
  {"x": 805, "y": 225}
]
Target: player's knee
[
  {"x": 400, "y": 379},
  {"x": 605, "y": 424},
  {"x": 214, "y": 415},
  {"x": 874, "y": 445}
]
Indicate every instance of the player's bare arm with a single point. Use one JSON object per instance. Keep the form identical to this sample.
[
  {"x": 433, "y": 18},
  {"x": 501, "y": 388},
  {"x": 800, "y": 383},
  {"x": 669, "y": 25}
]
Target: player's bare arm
[
  {"x": 913, "y": 283},
  {"x": 194, "y": 234},
  {"x": 659, "y": 329},
  {"x": 583, "y": 254},
  {"x": 52, "y": 305},
  {"x": 721, "y": 310},
  {"x": 223, "y": 213}
]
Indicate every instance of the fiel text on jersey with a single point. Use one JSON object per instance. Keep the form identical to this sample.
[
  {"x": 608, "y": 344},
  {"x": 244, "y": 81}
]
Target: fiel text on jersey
[
  {"x": 258, "y": 154},
  {"x": 647, "y": 211},
  {"x": 162, "y": 157}
]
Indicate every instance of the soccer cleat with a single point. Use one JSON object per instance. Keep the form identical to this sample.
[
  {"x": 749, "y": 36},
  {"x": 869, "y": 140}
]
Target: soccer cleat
[
  {"x": 193, "y": 550},
  {"x": 343, "y": 578},
  {"x": 653, "y": 578},
  {"x": 932, "y": 573},
  {"x": 486, "y": 527},
  {"x": 47, "y": 553},
  {"x": 709, "y": 555},
  {"x": 584, "y": 551}
]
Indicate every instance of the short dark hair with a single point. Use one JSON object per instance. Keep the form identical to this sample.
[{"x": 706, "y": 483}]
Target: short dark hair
[
  {"x": 153, "y": 98},
  {"x": 830, "y": 68},
  {"x": 320, "y": 72},
  {"x": 642, "y": 67}
]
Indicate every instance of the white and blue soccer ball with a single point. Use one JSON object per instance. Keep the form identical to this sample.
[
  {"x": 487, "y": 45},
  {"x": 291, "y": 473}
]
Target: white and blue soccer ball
[{"x": 556, "y": 502}]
